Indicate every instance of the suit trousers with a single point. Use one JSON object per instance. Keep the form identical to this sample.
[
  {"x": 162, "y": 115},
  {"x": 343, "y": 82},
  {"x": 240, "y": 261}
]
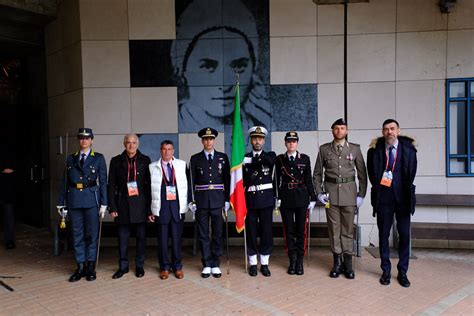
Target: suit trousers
[
  {"x": 259, "y": 220},
  {"x": 295, "y": 230},
  {"x": 9, "y": 222},
  {"x": 163, "y": 230},
  {"x": 341, "y": 228},
  {"x": 123, "y": 232},
  {"x": 211, "y": 249},
  {"x": 385, "y": 215},
  {"x": 85, "y": 233}
]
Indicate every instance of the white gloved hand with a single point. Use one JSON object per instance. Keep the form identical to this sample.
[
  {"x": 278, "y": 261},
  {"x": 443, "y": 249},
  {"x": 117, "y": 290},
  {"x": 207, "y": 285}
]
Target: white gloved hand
[
  {"x": 102, "y": 210},
  {"x": 247, "y": 160},
  {"x": 60, "y": 209},
  {"x": 359, "y": 202},
  {"x": 277, "y": 203},
  {"x": 323, "y": 198},
  {"x": 226, "y": 207},
  {"x": 311, "y": 206},
  {"x": 192, "y": 207}
]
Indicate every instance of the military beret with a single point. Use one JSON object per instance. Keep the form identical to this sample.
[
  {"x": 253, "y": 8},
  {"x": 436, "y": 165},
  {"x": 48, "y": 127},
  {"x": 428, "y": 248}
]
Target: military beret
[
  {"x": 85, "y": 133},
  {"x": 258, "y": 131},
  {"x": 208, "y": 132},
  {"x": 338, "y": 122},
  {"x": 291, "y": 136}
]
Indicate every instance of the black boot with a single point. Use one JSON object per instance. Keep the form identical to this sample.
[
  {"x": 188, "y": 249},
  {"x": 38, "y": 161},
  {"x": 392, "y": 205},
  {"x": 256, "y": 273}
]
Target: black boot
[
  {"x": 348, "y": 272},
  {"x": 337, "y": 267},
  {"x": 80, "y": 272},
  {"x": 292, "y": 267},
  {"x": 299, "y": 266},
  {"x": 90, "y": 274}
]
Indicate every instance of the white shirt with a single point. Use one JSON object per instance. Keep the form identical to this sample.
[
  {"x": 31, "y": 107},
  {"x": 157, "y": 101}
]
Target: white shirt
[
  {"x": 86, "y": 153},
  {"x": 206, "y": 153}
]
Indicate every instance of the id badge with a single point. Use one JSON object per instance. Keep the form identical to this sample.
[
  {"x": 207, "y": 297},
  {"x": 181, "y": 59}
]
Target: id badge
[
  {"x": 132, "y": 188},
  {"x": 387, "y": 179},
  {"x": 170, "y": 193}
]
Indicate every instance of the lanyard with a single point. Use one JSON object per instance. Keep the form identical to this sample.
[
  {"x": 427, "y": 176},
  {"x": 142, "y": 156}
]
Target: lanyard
[
  {"x": 172, "y": 175},
  {"x": 134, "y": 170},
  {"x": 394, "y": 159}
]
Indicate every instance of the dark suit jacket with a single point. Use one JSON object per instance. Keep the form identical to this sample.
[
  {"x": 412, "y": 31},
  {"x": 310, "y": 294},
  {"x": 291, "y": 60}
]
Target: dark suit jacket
[
  {"x": 298, "y": 172},
  {"x": 131, "y": 209},
  {"x": 376, "y": 161},
  {"x": 216, "y": 173},
  {"x": 260, "y": 171}
]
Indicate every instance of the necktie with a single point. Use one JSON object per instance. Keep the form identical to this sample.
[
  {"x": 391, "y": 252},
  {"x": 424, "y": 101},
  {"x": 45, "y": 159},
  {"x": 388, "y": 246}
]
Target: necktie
[
  {"x": 390, "y": 158},
  {"x": 339, "y": 148},
  {"x": 83, "y": 159},
  {"x": 256, "y": 155},
  {"x": 170, "y": 171},
  {"x": 209, "y": 158},
  {"x": 292, "y": 159}
]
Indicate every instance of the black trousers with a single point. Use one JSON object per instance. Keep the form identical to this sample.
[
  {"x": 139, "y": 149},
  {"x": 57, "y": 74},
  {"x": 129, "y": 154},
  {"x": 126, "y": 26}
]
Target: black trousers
[
  {"x": 259, "y": 220},
  {"x": 8, "y": 222},
  {"x": 211, "y": 249},
  {"x": 294, "y": 230},
  {"x": 124, "y": 232}
]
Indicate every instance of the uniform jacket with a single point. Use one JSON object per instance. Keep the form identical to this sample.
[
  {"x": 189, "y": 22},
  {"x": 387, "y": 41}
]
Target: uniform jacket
[
  {"x": 342, "y": 165},
  {"x": 406, "y": 158},
  {"x": 156, "y": 173},
  {"x": 93, "y": 174},
  {"x": 259, "y": 171},
  {"x": 297, "y": 173},
  {"x": 130, "y": 209},
  {"x": 216, "y": 173}
]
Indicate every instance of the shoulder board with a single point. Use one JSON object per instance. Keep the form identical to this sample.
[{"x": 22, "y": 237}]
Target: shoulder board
[{"x": 354, "y": 144}]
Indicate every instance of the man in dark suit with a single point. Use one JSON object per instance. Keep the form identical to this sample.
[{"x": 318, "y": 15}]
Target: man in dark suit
[
  {"x": 169, "y": 203},
  {"x": 84, "y": 194},
  {"x": 391, "y": 164},
  {"x": 260, "y": 199},
  {"x": 298, "y": 198},
  {"x": 7, "y": 196},
  {"x": 129, "y": 202},
  {"x": 210, "y": 172}
]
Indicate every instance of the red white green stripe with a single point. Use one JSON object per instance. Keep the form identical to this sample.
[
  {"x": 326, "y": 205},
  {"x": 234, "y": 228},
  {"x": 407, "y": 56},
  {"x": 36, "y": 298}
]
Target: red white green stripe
[{"x": 237, "y": 194}]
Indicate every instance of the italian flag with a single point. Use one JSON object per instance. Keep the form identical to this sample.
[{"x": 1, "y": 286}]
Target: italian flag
[{"x": 237, "y": 196}]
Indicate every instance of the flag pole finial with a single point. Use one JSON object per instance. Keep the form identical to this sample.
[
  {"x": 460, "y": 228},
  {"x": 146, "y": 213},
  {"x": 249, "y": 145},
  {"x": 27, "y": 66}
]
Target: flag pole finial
[{"x": 236, "y": 77}]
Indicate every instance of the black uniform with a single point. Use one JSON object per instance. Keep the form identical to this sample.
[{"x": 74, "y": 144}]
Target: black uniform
[
  {"x": 259, "y": 201},
  {"x": 296, "y": 190},
  {"x": 211, "y": 182}
]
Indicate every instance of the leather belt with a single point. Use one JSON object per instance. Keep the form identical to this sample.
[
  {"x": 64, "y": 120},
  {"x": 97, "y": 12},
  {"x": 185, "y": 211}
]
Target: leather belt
[
  {"x": 208, "y": 187},
  {"x": 260, "y": 187},
  {"x": 293, "y": 185},
  {"x": 340, "y": 180},
  {"x": 81, "y": 185}
]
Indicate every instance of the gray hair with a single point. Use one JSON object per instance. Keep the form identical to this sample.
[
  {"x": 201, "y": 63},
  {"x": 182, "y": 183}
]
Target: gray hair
[{"x": 126, "y": 137}]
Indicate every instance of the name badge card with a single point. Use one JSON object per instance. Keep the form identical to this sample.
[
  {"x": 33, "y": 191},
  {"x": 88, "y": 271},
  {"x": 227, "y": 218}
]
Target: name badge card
[
  {"x": 387, "y": 178},
  {"x": 132, "y": 188},
  {"x": 170, "y": 193}
]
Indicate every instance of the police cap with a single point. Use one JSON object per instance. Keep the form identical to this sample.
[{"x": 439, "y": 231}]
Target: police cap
[
  {"x": 208, "y": 132},
  {"x": 85, "y": 133},
  {"x": 291, "y": 136}
]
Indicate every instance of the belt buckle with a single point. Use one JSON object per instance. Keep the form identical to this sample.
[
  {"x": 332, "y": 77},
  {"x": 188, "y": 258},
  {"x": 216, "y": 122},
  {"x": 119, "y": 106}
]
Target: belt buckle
[
  {"x": 79, "y": 185},
  {"x": 257, "y": 187},
  {"x": 211, "y": 186},
  {"x": 339, "y": 180}
]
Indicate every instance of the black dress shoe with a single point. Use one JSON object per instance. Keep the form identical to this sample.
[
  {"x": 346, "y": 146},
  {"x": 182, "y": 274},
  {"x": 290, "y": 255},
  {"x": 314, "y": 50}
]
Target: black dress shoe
[
  {"x": 10, "y": 244},
  {"x": 80, "y": 272},
  {"x": 292, "y": 267},
  {"x": 90, "y": 272},
  {"x": 385, "y": 278},
  {"x": 403, "y": 279},
  {"x": 265, "y": 271},
  {"x": 299, "y": 267},
  {"x": 119, "y": 273},
  {"x": 139, "y": 272},
  {"x": 253, "y": 270}
]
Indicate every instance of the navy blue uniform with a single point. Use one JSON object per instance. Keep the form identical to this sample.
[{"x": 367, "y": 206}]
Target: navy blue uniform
[
  {"x": 82, "y": 191},
  {"x": 211, "y": 190},
  {"x": 260, "y": 199}
]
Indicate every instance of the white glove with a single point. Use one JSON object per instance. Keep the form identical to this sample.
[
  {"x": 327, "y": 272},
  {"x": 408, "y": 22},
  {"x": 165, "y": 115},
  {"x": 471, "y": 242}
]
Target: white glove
[
  {"x": 277, "y": 203},
  {"x": 226, "y": 207},
  {"x": 359, "y": 202},
  {"x": 61, "y": 209},
  {"x": 247, "y": 160},
  {"x": 102, "y": 210},
  {"x": 323, "y": 198},
  {"x": 311, "y": 205},
  {"x": 192, "y": 207}
]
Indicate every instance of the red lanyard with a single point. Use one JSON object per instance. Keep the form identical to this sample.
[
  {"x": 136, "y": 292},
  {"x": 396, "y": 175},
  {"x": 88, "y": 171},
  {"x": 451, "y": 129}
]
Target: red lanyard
[
  {"x": 394, "y": 158},
  {"x": 134, "y": 170},
  {"x": 172, "y": 176}
]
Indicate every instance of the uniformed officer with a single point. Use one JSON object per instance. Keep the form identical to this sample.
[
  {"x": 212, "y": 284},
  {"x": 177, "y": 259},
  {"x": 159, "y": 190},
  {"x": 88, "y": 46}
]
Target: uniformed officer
[
  {"x": 293, "y": 170},
  {"x": 84, "y": 194},
  {"x": 340, "y": 160},
  {"x": 210, "y": 172},
  {"x": 260, "y": 199}
]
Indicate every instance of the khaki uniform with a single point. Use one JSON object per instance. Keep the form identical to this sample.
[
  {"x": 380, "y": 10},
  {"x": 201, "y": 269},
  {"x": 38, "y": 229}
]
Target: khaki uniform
[{"x": 339, "y": 181}]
